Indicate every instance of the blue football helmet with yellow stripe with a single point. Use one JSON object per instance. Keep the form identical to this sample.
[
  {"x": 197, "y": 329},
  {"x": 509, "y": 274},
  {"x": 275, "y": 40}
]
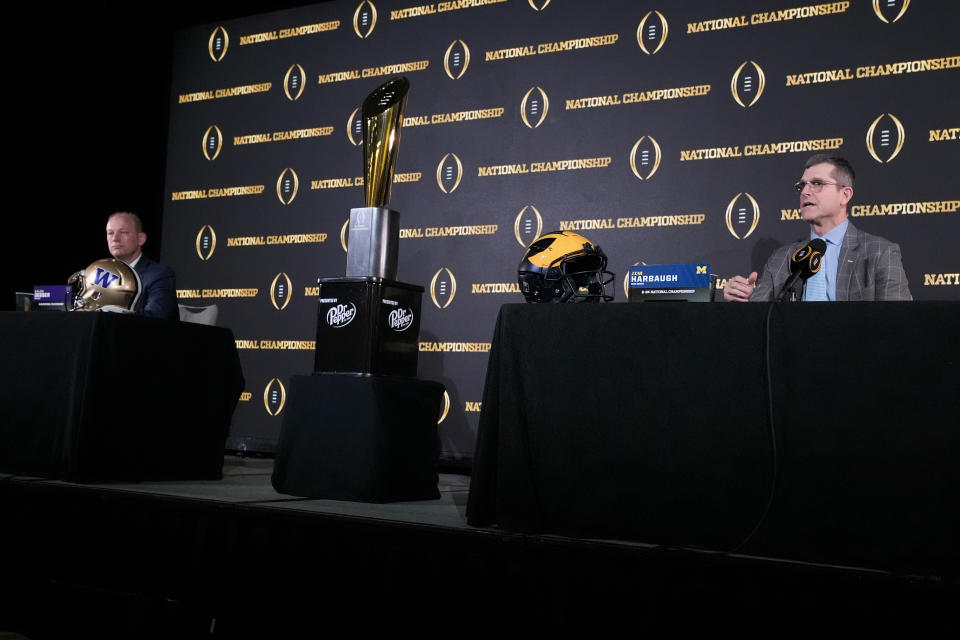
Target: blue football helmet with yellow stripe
[{"x": 563, "y": 266}]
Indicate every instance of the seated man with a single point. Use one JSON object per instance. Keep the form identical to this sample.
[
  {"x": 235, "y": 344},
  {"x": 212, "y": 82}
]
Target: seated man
[
  {"x": 857, "y": 265},
  {"x": 125, "y": 237}
]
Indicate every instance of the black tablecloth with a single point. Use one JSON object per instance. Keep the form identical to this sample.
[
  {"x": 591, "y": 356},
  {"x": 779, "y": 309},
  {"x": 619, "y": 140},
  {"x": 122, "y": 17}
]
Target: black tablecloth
[
  {"x": 101, "y": 396},
  {"x": 652, "y": 422}
]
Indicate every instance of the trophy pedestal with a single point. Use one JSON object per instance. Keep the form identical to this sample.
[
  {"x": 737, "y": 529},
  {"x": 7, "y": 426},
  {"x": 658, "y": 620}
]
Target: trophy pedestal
[
  {"x": 372, "y": 243},
  {"x": 359, "y": 438},
  {"x": 368, "y": 325}
]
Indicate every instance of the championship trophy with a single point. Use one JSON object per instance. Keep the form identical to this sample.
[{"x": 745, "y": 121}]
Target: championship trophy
[
  {"x": 363, "y": 427},
  {"x": 375, "y": 229},
  {"x": 367, "y": 321}
]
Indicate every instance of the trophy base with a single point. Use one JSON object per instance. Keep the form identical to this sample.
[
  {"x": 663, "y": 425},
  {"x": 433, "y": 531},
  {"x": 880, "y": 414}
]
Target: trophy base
[
  {"x": 367, "y": 326},
  {"x": 372, "y": 243}
]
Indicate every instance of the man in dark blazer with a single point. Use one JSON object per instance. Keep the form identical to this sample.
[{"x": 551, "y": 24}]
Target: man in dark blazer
[
  {"x": 856, "y": 266},
  {"x": 125, "y": 239}
]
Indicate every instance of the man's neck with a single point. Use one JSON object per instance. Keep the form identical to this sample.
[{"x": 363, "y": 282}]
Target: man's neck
[
  {"x": 133, "y": 260},
  {"x": 825, "y": 225}
]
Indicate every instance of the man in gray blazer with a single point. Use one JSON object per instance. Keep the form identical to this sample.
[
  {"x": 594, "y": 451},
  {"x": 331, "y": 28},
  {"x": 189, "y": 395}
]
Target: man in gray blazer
[{"x": 856, "y": 266}]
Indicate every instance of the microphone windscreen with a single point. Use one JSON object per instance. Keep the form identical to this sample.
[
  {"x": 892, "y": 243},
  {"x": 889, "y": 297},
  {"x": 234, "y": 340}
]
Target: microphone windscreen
[{"x": 807, "y": 259}]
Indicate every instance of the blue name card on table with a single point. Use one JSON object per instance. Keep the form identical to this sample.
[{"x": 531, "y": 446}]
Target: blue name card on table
[
  {"x": 52, "y": 296},
  {"x": 669, "y": 282}
]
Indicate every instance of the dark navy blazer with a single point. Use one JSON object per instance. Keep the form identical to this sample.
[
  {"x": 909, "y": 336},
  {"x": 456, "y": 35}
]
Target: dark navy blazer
[{"x": 159, "y": 297}]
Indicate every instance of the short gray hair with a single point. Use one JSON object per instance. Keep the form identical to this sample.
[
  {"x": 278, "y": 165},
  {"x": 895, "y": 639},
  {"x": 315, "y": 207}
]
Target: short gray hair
[
  {"x": 137, "y": 223},
  {"x": 842, "y": 172}
]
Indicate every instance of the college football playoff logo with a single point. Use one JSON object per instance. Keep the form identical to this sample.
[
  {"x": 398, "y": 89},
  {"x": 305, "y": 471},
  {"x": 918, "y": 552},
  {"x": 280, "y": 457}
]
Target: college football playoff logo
[
  {"x": 748, "y": 83},
  {"x": 538, "y": 5},
  {"x": 218, "y": 43},
  {"x": 212, "y": 142},
  {"x": 449, "y": 173},
  {"x": 652, "y": 32},
  {"x": 528, "y": 225},
  {"x": 287, "y": 185},
  {"x": 534, "y": 107},
  {"x": 355, "y": 127},
  {"x": 344, "y": 231},
  {"x": 274, "y": 396},
  {"x": 293, "y": 82},
  {"x": 890, "y": 10},
  {"x": 364, "y": 19},
  {"x": 280, "y": 290},
  {"x": 446, "y": 400},
  {"x": 206, "y": 242},
  {"x": 626, "y": 280},
  {"x": 743, "y": 214},
  {"x": 443, "y": 288},
  {"x": 456, "y": 59},
  {"x": 885, "y": 138},
  {"x": 645, "y": 157}
]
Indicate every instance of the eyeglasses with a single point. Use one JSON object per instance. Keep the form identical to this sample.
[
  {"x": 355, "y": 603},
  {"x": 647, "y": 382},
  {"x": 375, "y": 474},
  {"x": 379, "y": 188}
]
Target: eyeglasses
[{"x": 816, "y": 185}]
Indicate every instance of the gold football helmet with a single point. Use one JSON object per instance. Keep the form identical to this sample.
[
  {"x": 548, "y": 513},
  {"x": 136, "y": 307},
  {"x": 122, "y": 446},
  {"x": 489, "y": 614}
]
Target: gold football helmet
[{"x": 105, "y": 285}]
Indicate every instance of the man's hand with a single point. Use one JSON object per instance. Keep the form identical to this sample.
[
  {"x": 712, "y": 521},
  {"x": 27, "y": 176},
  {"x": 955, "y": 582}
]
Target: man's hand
[{"x": 738, "y": 288}]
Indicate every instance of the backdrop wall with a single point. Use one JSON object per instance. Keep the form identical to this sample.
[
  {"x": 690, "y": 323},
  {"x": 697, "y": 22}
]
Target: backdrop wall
[{"x": 664, "y": 133}]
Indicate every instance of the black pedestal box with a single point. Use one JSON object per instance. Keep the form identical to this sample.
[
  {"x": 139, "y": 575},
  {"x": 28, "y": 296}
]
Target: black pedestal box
[
  {"x": 359, "y": 437},
  {"x": 368, "y": 325}
]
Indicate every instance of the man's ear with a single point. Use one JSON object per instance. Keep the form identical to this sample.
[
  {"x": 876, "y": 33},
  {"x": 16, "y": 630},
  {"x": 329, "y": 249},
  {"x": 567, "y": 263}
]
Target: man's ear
[{"x": 847, "y": 193}]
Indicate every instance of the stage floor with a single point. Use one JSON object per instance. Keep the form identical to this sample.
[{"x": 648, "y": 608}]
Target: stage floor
[
  {"x": 229, "y": 557},
  {"x": 246, "y": 481}
]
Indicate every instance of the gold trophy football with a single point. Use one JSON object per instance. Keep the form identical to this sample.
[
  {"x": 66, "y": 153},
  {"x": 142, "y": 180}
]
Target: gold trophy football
[{"x": 375, "y": 229}]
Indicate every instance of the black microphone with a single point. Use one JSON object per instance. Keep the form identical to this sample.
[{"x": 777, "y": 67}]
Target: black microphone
[{"x": 804, "y": 262}]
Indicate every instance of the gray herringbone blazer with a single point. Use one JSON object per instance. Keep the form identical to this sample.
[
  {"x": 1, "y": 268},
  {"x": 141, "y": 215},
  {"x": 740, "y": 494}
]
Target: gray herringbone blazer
[{"x": 869, "y": 269}]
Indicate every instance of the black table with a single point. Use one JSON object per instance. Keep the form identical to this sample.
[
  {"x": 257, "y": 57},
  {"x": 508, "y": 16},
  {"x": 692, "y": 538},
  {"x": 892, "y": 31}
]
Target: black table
[
  {"x": 657, "y": 423},
  {"x": 102, "y": 396}
]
